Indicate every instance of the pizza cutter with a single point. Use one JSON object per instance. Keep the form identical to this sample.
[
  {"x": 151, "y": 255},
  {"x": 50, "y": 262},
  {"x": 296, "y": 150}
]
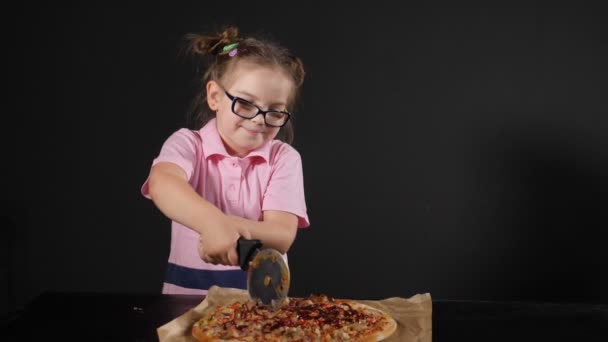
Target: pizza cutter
[{"x": 267, "y": 273}]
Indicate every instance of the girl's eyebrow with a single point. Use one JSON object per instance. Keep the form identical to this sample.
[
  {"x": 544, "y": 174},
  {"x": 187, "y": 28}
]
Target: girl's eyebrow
[{"x": 254, "y": 98}]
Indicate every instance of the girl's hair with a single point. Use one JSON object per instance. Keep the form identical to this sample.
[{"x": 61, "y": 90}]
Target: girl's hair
[{"x": 262, "y": 52}]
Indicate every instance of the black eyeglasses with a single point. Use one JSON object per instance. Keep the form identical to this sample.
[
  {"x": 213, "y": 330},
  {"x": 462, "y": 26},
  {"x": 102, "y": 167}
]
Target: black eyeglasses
[{"x": 248, "y": 110}]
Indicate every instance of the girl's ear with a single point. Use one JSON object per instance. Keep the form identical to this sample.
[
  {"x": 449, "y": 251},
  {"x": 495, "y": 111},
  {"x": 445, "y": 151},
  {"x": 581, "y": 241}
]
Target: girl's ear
[{"x": 214, "y": 92}]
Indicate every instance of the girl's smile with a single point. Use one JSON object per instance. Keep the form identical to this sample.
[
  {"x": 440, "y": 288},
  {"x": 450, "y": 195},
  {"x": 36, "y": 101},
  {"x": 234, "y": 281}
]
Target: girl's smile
[{"x": 253, "y": 132}]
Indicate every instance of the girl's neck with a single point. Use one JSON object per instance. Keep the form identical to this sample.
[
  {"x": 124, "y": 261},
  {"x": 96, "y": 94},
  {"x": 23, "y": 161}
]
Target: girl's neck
[{"x": 234, "y": 152}]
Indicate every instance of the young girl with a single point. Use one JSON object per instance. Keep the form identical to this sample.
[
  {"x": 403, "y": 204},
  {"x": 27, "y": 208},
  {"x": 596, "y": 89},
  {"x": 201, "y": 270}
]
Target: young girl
[{"x": 237, "y": 176}]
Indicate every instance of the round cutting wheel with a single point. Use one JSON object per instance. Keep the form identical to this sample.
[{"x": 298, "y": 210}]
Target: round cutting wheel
[{"x": 268, "y": 278}]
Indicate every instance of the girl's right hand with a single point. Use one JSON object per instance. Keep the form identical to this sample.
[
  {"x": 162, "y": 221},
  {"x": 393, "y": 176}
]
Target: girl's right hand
[{"x": 218, "y": 241}]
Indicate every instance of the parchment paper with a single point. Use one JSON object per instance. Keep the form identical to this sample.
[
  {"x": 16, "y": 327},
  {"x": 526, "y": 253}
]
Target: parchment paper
[{"x": 413, "y": 315}]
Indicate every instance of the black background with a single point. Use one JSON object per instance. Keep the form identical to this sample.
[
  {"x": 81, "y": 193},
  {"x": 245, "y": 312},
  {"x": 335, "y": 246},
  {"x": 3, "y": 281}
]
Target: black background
[{"x": 461, "y": 151}]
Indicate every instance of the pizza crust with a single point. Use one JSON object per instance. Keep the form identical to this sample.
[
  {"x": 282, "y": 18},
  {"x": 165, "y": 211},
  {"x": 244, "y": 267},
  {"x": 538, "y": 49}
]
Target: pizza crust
[
  {"x": 200, "y": 336},
  {"x": 386, "y": 331}
]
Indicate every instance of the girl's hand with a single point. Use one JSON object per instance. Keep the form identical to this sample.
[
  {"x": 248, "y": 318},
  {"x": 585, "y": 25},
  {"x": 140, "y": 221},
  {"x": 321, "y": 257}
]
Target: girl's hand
[{"x": 218, "y": 241}]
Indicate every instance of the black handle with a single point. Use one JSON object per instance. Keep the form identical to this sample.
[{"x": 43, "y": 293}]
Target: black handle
[{"x": 247, "y": 250}]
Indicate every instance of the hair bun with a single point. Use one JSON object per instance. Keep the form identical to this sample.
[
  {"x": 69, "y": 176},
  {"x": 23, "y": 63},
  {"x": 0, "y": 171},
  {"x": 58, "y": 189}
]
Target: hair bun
[
  {"x": 228, "y": 36},
  {"x": 213, "y": 45}
]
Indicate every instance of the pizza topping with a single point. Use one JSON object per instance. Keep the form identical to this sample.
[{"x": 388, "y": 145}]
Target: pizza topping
[{"x": 297, "y": 319}]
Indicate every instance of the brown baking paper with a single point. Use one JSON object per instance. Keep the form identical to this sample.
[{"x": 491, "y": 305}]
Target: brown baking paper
[{"x": 413, "y": 315}]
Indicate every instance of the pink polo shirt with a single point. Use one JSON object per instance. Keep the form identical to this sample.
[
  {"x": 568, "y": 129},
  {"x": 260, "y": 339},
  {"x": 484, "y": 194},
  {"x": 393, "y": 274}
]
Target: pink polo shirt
[{"x": 268, "y": 178}]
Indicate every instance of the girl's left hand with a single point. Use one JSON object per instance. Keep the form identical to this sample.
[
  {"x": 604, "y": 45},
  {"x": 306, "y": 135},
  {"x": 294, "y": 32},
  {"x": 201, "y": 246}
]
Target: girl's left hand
[{"x": 230, "y": 256}]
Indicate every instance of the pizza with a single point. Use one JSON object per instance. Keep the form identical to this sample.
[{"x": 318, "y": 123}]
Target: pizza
[{"x": 314, "y": 318}]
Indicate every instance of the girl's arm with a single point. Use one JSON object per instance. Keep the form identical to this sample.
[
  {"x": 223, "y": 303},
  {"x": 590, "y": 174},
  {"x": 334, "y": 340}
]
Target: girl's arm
[
  {"x": 277, "y": 230},
  {"x": 283, "y": 203},
  {"x": 172, "y": 194}
]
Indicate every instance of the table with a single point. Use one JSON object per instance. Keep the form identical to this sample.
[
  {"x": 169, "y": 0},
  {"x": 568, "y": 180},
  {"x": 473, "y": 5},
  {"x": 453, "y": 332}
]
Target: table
[{"x": 135, "y": 317}]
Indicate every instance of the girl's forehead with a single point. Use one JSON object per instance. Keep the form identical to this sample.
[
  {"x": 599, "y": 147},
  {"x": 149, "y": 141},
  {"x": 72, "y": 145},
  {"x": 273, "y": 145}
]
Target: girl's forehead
[
  {"x": 266, "y": 82},
  {"x": 249, "y": 71}
]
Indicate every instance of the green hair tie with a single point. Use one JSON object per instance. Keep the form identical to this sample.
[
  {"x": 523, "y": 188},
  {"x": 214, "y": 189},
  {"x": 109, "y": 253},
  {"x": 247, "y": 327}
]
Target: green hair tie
[{"x": 230, "y": 47}]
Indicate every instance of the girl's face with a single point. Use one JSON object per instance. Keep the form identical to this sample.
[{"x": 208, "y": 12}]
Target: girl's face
[{"x": 266, "y": 87}]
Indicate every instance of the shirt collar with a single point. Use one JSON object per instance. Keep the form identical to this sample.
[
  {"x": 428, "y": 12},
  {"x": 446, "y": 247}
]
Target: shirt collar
[{"x": 213, "y": 144}]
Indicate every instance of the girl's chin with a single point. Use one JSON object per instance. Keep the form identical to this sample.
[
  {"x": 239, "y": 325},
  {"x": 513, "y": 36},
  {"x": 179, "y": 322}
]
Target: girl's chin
[{"x": 251, "y": 139}]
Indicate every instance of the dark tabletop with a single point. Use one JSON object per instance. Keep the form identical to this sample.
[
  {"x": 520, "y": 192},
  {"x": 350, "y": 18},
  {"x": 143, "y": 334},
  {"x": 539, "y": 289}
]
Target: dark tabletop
[{"x": 124, "y": 317}]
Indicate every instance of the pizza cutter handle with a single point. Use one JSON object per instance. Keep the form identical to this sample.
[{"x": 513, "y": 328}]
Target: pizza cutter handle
[{"x": 247, "y": 249}]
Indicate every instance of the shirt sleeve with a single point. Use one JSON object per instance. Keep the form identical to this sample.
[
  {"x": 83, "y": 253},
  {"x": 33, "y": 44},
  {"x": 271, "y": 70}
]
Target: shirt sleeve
[
  {"x": 285, "y": 191},
  {"x": 180, "y": 149}
]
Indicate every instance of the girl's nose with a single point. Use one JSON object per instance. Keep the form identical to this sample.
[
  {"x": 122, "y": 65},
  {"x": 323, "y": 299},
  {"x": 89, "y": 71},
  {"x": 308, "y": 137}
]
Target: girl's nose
[{"x": 258, "y": 119}]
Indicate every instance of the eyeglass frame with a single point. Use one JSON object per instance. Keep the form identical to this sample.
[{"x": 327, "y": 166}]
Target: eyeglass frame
[{"x": 260, "y": 111}]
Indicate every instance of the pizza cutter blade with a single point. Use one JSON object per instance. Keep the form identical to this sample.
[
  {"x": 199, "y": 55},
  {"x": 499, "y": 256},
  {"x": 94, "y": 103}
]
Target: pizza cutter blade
[{"x": 267, "y": 273}]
